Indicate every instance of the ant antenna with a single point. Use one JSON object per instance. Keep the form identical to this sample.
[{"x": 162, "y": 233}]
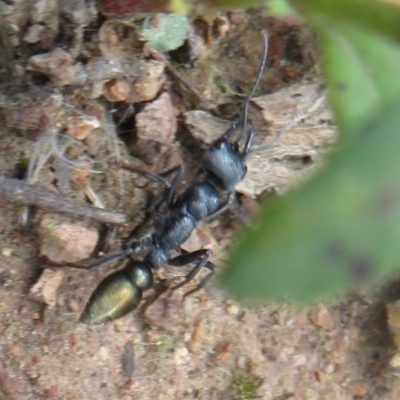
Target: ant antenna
[{"x": 259, "y": 73}]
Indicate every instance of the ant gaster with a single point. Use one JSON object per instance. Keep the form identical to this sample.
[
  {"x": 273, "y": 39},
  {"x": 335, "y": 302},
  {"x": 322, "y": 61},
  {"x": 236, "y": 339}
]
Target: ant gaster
[{"x": 223, "y": 167}]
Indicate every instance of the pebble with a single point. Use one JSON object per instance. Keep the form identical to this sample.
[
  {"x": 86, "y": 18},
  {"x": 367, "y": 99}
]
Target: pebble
[
  {"x": 232, "y": 309},
  {"x": 81, "y": 126},
  {"x": 60, "y": 66},
  {"x": 66, "y": 240},
  {"x": 73, "y": 305},
  {"x": 45, "y": 289},
  {"x": 156, "y": 125},
  {"x": 6, "y": 252},
  {"x": 181, "y": 355}
]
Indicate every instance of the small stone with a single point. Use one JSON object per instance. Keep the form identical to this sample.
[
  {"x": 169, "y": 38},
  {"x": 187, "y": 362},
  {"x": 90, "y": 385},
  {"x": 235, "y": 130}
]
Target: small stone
[
  {"x": 330, "y": 368},
  {"x": 395, "y": 360},
  {"x": 65, "y": 239},
  {"x": 45, "y": 289},
  {"x": 116, "y": 90},
  {"x": 33, "y": 34},
  {"x": 148, "y": 81},
  {"x": 119, "y": 73},
  {"x": 232, "y": 309},
  {"x": 198, "y": 335},
  {"x": 241, "y": 362},
  {"x": 299, "y": 360},
  {"x": 321, "y": 317},
  {"x": 73, "y": 305},
  {"x": 103, "y": 353},
  {"x": 181, "y": 355},
  {"x": 59, "y": 65},
  {"x": 156, "y": 126},
  {"x": 204, "y": 126},
  {"x": 359, "y": 390},
  {"x": 223, "y": 354},
  {"x": 6, "y": 252},
  {"x": 220, "y": 26},
  {"x": 393, "y": 321},
  {"x": 80, "y": 127},
  {"x": 320, "y": 376},
  {"x": 35, "y": 316},
  {"x": 203, "y": 299},
  {"x": 81, "y": 177}
]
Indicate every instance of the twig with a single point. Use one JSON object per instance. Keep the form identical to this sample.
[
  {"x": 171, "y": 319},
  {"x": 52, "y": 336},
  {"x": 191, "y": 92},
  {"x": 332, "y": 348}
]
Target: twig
[{"x": 18, "y": 191}]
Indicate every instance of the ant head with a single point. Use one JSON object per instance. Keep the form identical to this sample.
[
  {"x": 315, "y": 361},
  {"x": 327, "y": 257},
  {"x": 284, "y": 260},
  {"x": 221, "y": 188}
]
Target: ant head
[{"x": 224, "y": 164}]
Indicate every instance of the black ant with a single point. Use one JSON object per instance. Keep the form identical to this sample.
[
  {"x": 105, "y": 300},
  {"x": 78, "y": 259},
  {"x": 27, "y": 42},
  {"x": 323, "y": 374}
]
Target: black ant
[{"x": 223, "y": 167}]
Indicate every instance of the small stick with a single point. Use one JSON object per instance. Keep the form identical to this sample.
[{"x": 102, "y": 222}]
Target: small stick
[{"x": 19, "y": 191}]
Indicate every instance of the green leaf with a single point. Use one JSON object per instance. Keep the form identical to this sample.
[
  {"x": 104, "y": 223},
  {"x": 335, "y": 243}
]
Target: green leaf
[
  {"x": 279, "y": 8},
  {"x": 373, "y": 16},
  {"x": 169, "y": 34},
  {"x": 231, "y": 4},
  {"x": 362, "y": 70},
  {"x": 340, "y": 229}
]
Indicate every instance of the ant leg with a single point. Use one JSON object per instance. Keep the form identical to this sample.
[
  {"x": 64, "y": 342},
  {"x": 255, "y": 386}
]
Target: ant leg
[
  {"x": 153, "y": 177},
  {"x": 130, "y": 247},
  {"x": 223, "y": 207},
  {"x": 168, "y": 194},
  {"x": 105, "y": 260},
  {"x": 201, "y": 256},
  {"x": 159, "y": 178}
]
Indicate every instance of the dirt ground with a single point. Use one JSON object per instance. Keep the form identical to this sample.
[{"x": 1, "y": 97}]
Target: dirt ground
[{"x": 204, "y": 346}]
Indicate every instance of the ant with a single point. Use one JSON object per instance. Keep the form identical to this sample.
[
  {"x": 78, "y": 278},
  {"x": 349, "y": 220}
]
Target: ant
[{"x": 223, "y": 167}]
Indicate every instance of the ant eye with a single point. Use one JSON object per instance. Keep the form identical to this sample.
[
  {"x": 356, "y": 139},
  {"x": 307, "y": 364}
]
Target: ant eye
[{"x": 220, "y": 144}]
